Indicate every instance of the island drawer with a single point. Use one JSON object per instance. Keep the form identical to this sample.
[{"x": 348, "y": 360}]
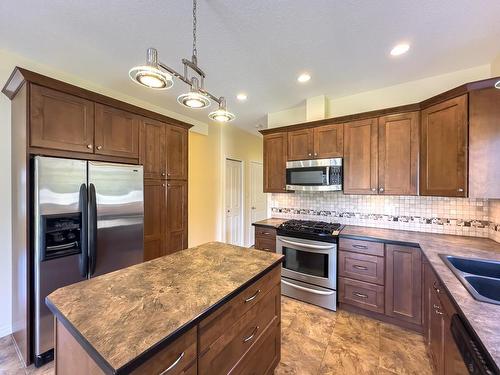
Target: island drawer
[
  {"x": 211, "y": 328},
  {"x": 223, "y": 354},
  {"x": 365, "y": 295},
  {"x": 264, "y": 356},
  {"x": 361, "y": 267},
  {"x": 363, "y": 247},
  {"x": 179, "y": 357}
]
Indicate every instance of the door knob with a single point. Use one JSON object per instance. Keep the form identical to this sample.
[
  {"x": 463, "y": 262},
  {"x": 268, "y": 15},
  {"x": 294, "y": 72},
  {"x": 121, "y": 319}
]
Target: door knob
[
  {"x": 253, "y": 208},
  {"x": 228, "y": 211}
]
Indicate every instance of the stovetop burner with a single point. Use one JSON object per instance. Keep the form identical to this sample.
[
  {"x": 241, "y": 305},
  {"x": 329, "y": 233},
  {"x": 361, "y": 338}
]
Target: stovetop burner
[{"x": 314, "y": 230}]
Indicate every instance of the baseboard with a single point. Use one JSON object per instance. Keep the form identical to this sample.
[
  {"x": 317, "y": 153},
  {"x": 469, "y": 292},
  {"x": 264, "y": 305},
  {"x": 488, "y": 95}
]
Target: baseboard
[{"x": 5, "y": 330}]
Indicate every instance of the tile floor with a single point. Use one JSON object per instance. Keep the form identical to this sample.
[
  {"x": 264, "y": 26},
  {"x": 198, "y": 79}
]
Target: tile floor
[{"x": 314, "y": 341}]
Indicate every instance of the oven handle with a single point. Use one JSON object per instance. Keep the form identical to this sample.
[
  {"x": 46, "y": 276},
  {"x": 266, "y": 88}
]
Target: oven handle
[
  {"x": 308, "y": 289},
  {"x": 308, "y": 245}
]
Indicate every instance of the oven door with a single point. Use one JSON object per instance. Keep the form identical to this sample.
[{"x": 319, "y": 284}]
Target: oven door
[{"x": 312, "y": 262}]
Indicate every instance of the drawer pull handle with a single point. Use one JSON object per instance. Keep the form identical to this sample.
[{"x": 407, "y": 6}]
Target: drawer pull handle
[
  {"x": 247, "y": 339},
  {"x": 176, "y": 362},
  {"x": 253, "y": 297},
  {"x": 360, "y": 267},
  {"x": 360, "y": 246},
  {"x": 266, "y": 233},
  {"x": 360, "y": 295}
]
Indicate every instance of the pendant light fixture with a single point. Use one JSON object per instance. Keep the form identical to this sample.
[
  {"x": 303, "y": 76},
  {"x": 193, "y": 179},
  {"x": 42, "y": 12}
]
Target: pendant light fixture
[
  {"x": 158, "y": 76},
  {"x": 222, "y": 114}
]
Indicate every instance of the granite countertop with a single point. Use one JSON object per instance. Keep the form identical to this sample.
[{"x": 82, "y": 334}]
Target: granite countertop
[
  {"x": 120, "y": 316},
  {"x": 272, "y": 222},
  {"x": 483, "y": 317}
]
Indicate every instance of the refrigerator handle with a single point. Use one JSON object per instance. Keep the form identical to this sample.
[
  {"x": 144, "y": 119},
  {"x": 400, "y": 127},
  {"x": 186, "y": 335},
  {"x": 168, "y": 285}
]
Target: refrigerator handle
[
  {"x": 92, "y": 229},
  {"x": 84, "y": 209}
]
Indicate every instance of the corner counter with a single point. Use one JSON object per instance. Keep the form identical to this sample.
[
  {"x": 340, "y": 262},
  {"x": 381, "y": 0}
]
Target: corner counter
[{"x": 197, "y": 302}]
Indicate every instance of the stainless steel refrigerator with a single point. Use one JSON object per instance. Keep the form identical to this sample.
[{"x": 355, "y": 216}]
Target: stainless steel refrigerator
[{"x": 88, "y": 220}]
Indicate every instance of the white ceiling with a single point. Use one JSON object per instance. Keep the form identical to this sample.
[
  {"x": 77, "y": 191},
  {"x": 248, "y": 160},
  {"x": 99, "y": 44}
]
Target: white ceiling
[{"x": 255, "y": 46}]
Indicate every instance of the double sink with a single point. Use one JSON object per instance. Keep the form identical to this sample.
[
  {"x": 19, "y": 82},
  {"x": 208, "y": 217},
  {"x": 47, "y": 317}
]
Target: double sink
[{"x": 480, "y": 277}]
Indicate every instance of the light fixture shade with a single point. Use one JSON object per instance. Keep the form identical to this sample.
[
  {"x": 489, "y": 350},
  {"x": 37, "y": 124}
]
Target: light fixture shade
[
  {"x": 151, "y": 77},
  {"x": 221, "y": 115},
  {"x": 497, "y": 85},
  {"x": 194, "y": 100}
]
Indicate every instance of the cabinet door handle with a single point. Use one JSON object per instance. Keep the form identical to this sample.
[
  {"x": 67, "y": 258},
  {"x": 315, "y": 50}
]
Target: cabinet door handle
[
  {"x": 90, "y": 147},
  {"x": 374, "y": 189},
  {"x": 360, "y": 246},
  {"x": 176, "y": 362},
  {"x": 253, "y": 297},
  {"x": 247, "y": 339},
  {"x": 434, "y": 286},
  {"x": 360, "y": 295},
  {"x": 99, "y": 147},
  {"x": 163, "y": 174},
  {"x": 310, "y": 154},
  {"x": 360, "y": 267},
  {"x": 438, "y": 312},
  {"x": 436, "y": 306},
  {"x": 381, "y": 190},
  {"x": 315, "y": 154},
  {"x": 460, "y": 190}
]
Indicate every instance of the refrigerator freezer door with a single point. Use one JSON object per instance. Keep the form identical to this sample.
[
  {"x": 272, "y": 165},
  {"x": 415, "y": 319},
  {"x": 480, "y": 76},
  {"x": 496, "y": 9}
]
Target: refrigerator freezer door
[
  {"x": 119, "y": 210},
  {"x": 57, "y": 236}
]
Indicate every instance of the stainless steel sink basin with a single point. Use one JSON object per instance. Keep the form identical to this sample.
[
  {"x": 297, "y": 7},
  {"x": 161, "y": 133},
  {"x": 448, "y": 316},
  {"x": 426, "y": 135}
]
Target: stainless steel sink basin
[{"x": 481, "y": 277}]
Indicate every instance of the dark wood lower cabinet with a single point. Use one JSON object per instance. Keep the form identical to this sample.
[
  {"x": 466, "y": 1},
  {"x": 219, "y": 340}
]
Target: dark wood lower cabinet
[
  {"x": 438, "y": 311},
  {"x": 403, "y": 287}
]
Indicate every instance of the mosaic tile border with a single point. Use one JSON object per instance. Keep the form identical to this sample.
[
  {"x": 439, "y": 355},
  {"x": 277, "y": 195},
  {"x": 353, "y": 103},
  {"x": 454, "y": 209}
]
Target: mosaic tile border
[{"x": 472, "y": 223}]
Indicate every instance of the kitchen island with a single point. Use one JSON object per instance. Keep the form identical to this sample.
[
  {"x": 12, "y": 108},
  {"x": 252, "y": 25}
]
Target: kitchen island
[{"x": 210, "y": 309}]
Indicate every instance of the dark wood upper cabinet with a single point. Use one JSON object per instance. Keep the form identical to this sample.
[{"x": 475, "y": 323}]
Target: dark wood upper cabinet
[
  {"x": 154, "y": 218},
  {"x": 443, "y": 149},
  {"x": 360, "y": 157},
  {"x": 328, "y": 141},
  {"x": 398, "y": 154},
  {"x": 61, "y": 121},
  {"x": 152, "y": 143},
  {"x": 403, "y": 286},
  {"x": 300, "y": 144},
  {"x": 484, "y": 143},
  {"x": 176, "y": 216},
  {"x": 177, "y": 152},
  {"x": 275, "y": 154},
  {"x": 116, "y": 132}
]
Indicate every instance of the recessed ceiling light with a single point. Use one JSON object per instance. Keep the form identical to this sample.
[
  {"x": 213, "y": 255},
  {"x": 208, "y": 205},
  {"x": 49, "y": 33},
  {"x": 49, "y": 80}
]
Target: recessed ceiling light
[
  {"x": 304, "y": 77},
  {"x": 241, "y": 97},
  {"x": 400, "y": 49},
  {"x": 497, "y": 85}
]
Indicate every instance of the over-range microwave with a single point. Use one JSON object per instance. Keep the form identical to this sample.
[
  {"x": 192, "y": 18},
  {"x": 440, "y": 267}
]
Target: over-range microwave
[{"x": 314, "y": 175}]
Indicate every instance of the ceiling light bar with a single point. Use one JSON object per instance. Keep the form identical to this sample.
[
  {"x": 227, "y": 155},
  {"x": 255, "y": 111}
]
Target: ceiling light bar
[{"x": 157, "y": 75}]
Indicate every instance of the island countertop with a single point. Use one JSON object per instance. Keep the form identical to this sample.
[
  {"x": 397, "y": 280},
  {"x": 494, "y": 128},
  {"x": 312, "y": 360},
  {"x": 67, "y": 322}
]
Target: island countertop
[
  {"x": 482, "y": 316},
  {"x": 125, "y": 315}
]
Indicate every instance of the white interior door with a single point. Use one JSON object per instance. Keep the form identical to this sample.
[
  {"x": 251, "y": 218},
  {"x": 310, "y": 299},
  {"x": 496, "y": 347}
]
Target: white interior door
[
  {"x": 234, "y": 202},
  {"x": 258, "y": 199}
]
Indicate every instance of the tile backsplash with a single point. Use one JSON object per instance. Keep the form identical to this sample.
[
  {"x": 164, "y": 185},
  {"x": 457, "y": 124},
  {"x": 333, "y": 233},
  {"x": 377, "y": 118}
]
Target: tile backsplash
[{"x": 460, "y": 216}]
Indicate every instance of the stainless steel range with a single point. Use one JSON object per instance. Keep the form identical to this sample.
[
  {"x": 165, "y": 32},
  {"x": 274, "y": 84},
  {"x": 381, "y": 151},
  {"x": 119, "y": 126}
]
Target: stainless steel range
[{"x": 309, "y": 270}]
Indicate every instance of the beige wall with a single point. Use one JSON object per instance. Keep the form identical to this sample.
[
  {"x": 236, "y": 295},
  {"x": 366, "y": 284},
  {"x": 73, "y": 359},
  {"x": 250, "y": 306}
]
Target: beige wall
[
  {"x": 391, "y": 96},
  {"x": 204, "y": 186}
]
